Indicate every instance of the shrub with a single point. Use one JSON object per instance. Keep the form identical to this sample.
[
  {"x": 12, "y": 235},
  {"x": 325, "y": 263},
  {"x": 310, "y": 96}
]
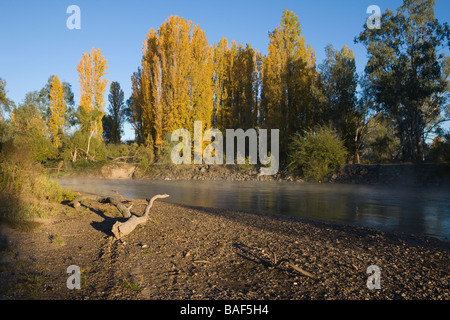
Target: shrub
[
  {"x": 381, "y": 143},
  {"x": 145, "y": 157},
  {"x": 316, "y": 155},
  {"x": 245, "y": 168},
  {"x": 440, "y": 149},
  {"x": 114, "y": 151},
  {"x": 163, "y": 155},
  {"x": 24, "y": 190}
]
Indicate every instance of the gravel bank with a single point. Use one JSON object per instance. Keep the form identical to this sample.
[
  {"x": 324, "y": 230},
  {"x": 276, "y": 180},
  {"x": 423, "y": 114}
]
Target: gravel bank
[{"x": 195, "y": 253}]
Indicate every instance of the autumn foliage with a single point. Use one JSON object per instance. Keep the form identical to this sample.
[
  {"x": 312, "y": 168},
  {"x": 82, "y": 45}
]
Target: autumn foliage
[
  {"x": 57, "y": 112},
  {"x": 91, "y": 72},
  {"x": 183, "y": 78}
]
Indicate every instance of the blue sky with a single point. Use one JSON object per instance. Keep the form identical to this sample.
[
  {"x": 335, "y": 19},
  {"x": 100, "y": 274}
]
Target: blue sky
[{"x": 35, "y": 42}]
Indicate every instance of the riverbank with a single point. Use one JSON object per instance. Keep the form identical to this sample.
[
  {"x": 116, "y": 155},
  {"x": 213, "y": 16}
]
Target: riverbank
[
  {"x": 389, "y": 174},
  {"x": 395, "y": 174},
  {"x": 194, "y": 253}
]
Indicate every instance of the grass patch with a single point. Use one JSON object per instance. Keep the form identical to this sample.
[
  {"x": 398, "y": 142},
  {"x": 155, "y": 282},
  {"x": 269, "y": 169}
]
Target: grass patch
[
  {"x": 32, "y": 282},
  {"x": 58, "y": 240},
  {"x": 24, "y": 225},
  {"x": 83, "y": 275},
  {"x": 129, "y": 285}
]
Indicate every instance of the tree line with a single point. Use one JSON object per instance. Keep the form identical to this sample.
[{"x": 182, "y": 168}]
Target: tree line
[{"x": 385, "y": 114}]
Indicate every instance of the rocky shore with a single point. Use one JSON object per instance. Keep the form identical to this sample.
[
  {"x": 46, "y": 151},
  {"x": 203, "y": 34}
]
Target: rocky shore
[
  {"x": 194, "y": 253},
  {"x": 393, "y": 174}
]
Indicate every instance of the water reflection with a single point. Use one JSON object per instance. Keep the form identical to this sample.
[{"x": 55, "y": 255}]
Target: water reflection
[{"x": 408, "y": 209}]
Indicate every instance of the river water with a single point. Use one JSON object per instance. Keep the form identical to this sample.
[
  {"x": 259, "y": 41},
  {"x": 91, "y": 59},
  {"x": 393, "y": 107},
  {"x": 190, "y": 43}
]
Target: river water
[{"x": 416, "y": 210}]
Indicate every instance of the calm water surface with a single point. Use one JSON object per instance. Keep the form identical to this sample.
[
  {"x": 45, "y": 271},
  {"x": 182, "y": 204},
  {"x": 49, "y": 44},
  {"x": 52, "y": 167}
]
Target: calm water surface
[{"x": 418, "y": 210}]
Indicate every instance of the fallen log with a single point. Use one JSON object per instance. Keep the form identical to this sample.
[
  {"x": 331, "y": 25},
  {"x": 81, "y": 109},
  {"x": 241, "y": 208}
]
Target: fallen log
[{"x": 121, "y": 229}]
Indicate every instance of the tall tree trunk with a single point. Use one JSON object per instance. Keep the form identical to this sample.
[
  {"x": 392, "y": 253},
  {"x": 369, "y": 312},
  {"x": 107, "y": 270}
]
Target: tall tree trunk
[{"x": 356, "y": 157}]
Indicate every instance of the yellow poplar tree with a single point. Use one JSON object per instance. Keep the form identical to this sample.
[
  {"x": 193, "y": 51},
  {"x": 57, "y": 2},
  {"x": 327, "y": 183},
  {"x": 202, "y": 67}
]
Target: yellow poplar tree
[
  {"x": 176, "y": 60},
  {"x": 201, "y": 78},
  {"x": 57, "y": 112},
  {"x": 91, "y": 70},
  {"x": 246, "y": 85},
  {"x": 236, "y": 80},
  {"x": 288, "y": 70},
  {"x": 174, "y": 85},
  {"x": 222, "y": 67},
  {"x": 151, "y": 84}
]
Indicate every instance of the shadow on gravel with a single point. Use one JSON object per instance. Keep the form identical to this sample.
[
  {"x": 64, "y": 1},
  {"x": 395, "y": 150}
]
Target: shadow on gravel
[
  {"x": 245, "y": 252},
  {"x": 104, "y": 226},
  {"x": 328, "y": 230}
]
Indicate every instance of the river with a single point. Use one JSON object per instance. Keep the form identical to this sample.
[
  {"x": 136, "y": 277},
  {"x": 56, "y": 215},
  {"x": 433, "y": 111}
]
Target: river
[{"x": 415, "y": 210}]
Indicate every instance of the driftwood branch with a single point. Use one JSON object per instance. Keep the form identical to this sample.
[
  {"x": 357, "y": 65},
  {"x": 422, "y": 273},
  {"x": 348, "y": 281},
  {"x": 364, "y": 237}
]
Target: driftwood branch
[
  {"x": 93, "y": 130},
  {"x": 86, "y": 152},
  {"x": 74, "y": 155},
  {"x": 290, "y": 264},
  {"x": 121, "y": 229},
  {"x": 125, "y": 211},
  {"x": 57, "y": 169},
  {"x": 303, "y": 272}
]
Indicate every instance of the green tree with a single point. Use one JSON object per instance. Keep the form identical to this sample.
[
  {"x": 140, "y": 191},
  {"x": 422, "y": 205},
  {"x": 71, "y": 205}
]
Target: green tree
[
  {"x": 29, "y": 129},
  {"x": 363, "y": 113},
  {"x": 5, "y": 103},
  {"x": 107, "y": 128},
  {"x": 5, "y": 107},
  {"x": 135, "y": 105},
  {"x": 340, "y": 79},
  {"x": 405, "y": 69},
  {"x": 116, "y": 112},
  {"x": 440, "y": 149},
  {"x": 381, "y": 143}
]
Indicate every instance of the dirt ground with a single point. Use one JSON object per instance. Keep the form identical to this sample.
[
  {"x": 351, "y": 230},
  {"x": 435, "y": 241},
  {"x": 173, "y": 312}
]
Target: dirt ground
[{"x": 194, "y": 253}]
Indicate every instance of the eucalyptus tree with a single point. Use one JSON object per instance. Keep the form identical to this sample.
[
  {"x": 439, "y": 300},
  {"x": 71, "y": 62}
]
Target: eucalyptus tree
[{"x": 405, "y": 68}]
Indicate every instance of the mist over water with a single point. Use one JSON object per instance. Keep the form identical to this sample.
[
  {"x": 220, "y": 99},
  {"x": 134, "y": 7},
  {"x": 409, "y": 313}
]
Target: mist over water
[{"x": 416, "y": 210}]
